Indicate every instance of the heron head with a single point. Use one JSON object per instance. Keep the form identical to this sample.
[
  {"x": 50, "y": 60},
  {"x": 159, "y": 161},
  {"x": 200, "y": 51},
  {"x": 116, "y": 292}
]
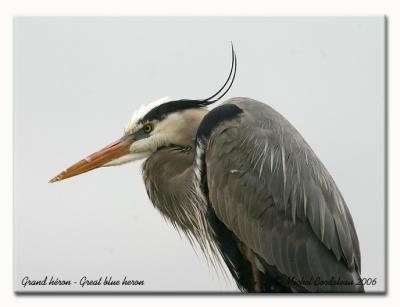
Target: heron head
[{"x": 162, "y": 123}]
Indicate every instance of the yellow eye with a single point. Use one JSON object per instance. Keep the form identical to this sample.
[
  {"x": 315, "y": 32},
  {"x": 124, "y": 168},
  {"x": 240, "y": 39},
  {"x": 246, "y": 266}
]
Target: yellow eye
[{"x": 147, "y": 128}]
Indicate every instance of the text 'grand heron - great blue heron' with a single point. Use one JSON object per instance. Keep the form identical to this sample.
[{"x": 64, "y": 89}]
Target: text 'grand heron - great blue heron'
[{"x": 242, "y": 182}]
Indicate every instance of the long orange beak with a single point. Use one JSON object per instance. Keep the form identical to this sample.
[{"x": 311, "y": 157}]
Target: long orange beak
[{"x": 111, "y": 152}]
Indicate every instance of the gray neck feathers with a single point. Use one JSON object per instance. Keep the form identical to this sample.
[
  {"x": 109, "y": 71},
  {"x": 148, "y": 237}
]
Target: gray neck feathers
[{"x": 174, "y": 190}]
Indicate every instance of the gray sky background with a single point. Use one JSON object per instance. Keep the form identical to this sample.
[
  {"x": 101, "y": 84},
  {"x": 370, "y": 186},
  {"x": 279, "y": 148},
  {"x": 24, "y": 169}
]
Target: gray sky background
[{"x": 78, "y": 80}]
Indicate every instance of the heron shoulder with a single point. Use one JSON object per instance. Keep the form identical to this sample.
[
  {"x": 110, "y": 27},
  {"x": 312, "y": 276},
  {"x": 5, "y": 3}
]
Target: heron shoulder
[{"x": 266, "y": 154}]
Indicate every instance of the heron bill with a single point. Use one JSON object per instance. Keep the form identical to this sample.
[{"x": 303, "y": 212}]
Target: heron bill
[{"x": 111, "y": 152}]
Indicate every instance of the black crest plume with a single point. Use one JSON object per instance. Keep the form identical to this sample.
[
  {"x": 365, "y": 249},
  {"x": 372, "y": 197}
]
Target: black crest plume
[
  {"x": 228, "y": 82},
  {"x": 164, "y": 109}
]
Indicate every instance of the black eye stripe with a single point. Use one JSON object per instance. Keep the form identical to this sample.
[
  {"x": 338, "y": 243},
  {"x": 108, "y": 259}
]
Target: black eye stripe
[{"x": 163, "y": 110}]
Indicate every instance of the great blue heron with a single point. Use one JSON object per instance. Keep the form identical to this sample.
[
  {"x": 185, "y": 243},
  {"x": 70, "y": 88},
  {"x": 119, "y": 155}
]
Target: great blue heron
[{"x": 242, "y": 182}]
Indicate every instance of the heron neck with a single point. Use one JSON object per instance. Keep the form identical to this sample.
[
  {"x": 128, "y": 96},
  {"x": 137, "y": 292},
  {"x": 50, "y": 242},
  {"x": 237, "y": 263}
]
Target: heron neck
[{"x": 170, "y": 183}]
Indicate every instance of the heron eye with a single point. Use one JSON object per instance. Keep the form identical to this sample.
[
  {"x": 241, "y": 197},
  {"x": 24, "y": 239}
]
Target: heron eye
[{"x": 147, "y": 128}]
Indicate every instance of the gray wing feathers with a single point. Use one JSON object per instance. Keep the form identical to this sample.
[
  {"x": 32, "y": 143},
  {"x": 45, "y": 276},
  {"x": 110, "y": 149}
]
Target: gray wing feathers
[{"x": 270, "y": 189}]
